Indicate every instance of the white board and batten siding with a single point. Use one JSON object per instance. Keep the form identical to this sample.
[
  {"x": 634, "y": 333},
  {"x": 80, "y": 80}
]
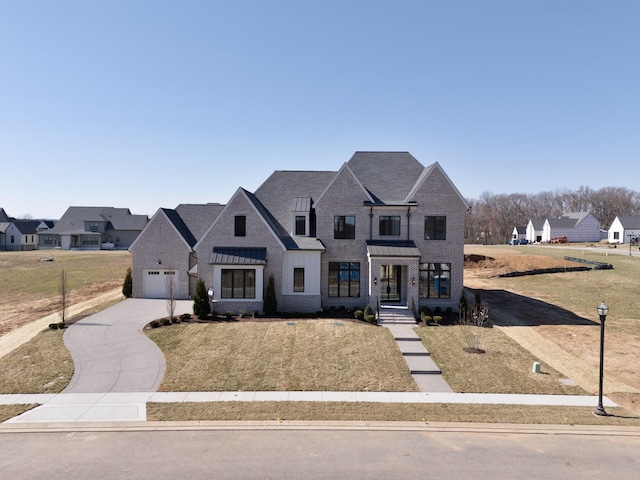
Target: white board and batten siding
[{"x": 310, "y": 261}]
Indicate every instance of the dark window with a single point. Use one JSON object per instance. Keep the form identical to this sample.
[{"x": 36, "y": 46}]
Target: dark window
[
  {"x": 344, "y": 227},
  {"x": 298, "y": 279},
  {"x": 93, "y": 226},
  {"x": 616, "y": 235},
  {"x": 344, "y": 279},
  {"x": 13, "y": 239},
  {"x": 240, "y": 226},
  {"x": 435, "y": 280},
  {"x": 435, "y": 227},
  {"x": 301, "y": 225},
  {"x": 238, "y": 284},
  {"x": 390, "y": 225}
]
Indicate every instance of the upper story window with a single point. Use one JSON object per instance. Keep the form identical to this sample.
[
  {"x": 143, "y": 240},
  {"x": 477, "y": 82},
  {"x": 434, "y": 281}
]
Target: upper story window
[
  {"x": 435, "y": 227},
  {"x": 390, "y": 225},
  {"x": 344, "y": 227},
  {"x": 93, "y": 226},
  {"x": 240, "y": 226},
  {"x": 300, "y": 228}
]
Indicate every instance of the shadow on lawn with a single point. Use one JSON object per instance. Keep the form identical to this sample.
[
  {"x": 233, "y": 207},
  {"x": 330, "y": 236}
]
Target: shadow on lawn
[{"x": 507, "y": 309}]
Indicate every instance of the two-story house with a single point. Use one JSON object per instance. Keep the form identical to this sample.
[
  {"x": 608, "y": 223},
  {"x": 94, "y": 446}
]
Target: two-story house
[
  {"x": 381, "y": 229},
  {"x": 93, "y": 228}
]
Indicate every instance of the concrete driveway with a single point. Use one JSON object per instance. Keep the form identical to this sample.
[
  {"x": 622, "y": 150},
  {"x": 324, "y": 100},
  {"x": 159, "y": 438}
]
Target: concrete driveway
[{"x": 111, "y": 353}]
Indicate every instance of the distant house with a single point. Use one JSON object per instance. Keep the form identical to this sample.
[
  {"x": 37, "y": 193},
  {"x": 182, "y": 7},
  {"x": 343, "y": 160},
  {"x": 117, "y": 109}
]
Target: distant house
[
  {"x": 624, "y": 229},
  {"x": 94, "y": 228},
  {"x": 519, "y": 232},
  {"x": 20, "y": 235},
  {"x": 4, "y": 218},
  {"x": 575, "y": 226},
  {"x": 535, "y": 229},
  {"x": 383, "y": 229}
]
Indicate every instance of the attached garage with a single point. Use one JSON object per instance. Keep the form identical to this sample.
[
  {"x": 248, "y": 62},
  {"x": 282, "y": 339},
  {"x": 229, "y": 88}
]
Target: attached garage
[{"x": 155, "y": 283}]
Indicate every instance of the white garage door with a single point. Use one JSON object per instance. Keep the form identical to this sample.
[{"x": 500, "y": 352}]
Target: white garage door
[{"x": 154, "y": 283}]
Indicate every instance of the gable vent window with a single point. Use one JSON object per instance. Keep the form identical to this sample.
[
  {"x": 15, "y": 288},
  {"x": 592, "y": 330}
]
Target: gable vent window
[{"x": 240, "y": 226}]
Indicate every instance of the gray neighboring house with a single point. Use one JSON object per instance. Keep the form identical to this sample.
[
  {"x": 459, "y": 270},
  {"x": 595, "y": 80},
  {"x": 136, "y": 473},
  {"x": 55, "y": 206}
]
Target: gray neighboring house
[
  {"x": 163, "y": 251},
  {"x": 383, "y": 229},
  {"x": 576, "y": 226},
  {"x": 94, "y": 228}
]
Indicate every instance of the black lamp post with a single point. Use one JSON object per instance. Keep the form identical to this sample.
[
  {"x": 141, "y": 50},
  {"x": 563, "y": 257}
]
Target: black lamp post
[{"x": 602, "y": 311}]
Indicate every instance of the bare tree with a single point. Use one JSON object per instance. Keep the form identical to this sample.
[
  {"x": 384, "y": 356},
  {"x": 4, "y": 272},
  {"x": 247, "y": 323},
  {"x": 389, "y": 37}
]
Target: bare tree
[
  {"x": 64, "y": 296},
  {"x": 473, "y": 322},
  {"x": 170, "y": 286}
]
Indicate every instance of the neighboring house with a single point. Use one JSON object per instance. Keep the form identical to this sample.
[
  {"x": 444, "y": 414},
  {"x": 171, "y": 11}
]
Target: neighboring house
[
  {"x": 577, "y": 227},
  {"x": 382, "y": 229},
  {"x": 624, "y": 230},
  {"x": 94, "y": 228},
  {"x": 519, "y": 232},
  {"x": 4, "y": 218},
  {"x": 535, "y": 229},
  {"x": 164, "y": 250},
  {"x": 20, "y": 235}
]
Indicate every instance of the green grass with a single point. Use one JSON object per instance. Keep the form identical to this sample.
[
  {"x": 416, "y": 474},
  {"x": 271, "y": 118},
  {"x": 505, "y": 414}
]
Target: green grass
[{"x": 311, "y": 355}]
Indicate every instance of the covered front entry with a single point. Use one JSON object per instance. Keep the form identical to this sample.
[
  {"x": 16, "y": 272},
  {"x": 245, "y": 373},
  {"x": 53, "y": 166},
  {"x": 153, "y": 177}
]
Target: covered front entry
[{"x": 390, "y": 283}]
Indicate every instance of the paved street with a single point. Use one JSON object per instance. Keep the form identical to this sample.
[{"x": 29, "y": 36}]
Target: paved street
[{"x": 257, "y": 450}]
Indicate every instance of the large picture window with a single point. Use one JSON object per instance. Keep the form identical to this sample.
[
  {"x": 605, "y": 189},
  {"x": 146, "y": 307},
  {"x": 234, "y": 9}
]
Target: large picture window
[
  {"x": 435, "y": 280},
  {"x": 238, "y": 284},
  {"x": 344, "y": 279},
  {"x": 390, "y": 225},
  {"x": 435, "y": 227},
  {"x": 344, "y": 227}
]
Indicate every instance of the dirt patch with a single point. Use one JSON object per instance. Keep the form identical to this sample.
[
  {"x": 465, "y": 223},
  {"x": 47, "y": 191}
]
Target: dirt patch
[{"x": 562, "y": 338}]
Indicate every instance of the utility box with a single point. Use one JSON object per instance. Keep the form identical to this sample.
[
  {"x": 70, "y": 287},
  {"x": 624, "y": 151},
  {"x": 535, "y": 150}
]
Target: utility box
[{"x": 536, "y": 367}]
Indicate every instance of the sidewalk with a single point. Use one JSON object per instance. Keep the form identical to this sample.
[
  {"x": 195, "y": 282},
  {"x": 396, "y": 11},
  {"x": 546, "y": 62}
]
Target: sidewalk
[{"x": 128, "y": 407}]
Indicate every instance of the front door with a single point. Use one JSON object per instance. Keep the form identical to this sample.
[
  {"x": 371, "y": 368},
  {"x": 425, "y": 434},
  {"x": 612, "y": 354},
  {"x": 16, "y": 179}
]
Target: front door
[{"x": 390, "y": 283}]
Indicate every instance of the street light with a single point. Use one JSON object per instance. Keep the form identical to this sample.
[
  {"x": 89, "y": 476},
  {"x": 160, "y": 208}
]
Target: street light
[{"x": 602, "y": 311}]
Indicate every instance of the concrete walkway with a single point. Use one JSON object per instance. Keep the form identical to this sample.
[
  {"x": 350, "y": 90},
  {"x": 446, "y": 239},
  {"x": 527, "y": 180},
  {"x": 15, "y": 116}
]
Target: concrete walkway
[
  {"x": 424, "y": 371},
  {"x": 131, "y": 407},
  {"x": 118, "y": 370}
]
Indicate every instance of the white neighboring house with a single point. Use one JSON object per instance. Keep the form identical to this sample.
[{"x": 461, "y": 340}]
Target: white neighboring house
[
  {"x": 535, "y": 229},
  {"x": 624, "y": 229},
  {"x": 576, "y": 226},
  {"x": 519, "y": 232}
]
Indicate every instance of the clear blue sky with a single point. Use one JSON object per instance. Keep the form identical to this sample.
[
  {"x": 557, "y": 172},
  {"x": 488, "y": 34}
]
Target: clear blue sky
[{"x": 148, "y": 104}]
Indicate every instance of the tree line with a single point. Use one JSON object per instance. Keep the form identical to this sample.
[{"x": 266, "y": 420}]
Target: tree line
[{"x": 492, "y": 217}]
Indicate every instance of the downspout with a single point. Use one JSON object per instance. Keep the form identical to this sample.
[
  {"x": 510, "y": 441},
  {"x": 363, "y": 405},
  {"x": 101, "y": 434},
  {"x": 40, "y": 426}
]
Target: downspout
[
  {"x": 371, "y": 222},
  {"x": 409, "y": 223}
]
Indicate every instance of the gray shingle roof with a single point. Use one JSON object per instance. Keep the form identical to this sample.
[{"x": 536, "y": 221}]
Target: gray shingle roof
[
  {"x": 198, "y": 217},
  {"x": 278, "y": 191},
  {"x": 27, "y": 227},
  {"x": 388, "y": 176},
  {"x": 567, "y": 220},
  {"x": 630, "y": 222},
  {"x": 120, "y": 218},
  {"x": 182, "y": 228}
]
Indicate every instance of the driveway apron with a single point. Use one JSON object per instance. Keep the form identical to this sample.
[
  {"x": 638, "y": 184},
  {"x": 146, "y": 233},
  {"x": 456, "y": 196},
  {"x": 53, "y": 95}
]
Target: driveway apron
[{"x": 111, "y": 353}]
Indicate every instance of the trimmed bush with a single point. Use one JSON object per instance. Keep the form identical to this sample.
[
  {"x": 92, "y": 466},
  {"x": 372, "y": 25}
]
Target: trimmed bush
[
  {"x": 426, "y": 319},
  {"x": 437, "y": 319},
  {"x": 165, "y": 322},
  {"x": 174, "y": 320},
  {"x": 185, "y": 317},
  {"x": 127, "y": 285},
  {"x": 201, "y": 306},
  {"x": 371, "y": 319},
  {"x": 228, "y": 314},
  {"x": 359, "y": 314},
  {"x": 53, "y": 326},
  {"x": 367, "y": 311},
  {"x": 270, "y": 300},
  {"x": 154, "y": 324}
]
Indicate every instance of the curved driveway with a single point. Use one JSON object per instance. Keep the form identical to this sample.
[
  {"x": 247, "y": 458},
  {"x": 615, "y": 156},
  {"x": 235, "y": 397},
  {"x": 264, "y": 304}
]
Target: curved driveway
[{"x": 111, "y": 353}]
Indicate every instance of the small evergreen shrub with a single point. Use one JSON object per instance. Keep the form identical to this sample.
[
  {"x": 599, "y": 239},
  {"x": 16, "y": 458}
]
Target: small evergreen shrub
[
  {"x": 201, "y": 306},
  {"x": 53, "y": 326},
  {"x": 437, "y": 319},
  {"x": 242, "y": 313},
  {"x": 359, "y": 314},
  {"x": 174, "y": 320},
  {"x": 165, "y": 322},
  {"x": 367, "y": 311},
  {"x": 426, "y": 319},
  {"x": 155, "y": 324},
  {"x": 270, "y": 300},
  {"x": 228, "y": 314},
  {"x": 371, "y": 319},
  {"x": 127, "y": 285},
  {"x": 185, "y": 317}
]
